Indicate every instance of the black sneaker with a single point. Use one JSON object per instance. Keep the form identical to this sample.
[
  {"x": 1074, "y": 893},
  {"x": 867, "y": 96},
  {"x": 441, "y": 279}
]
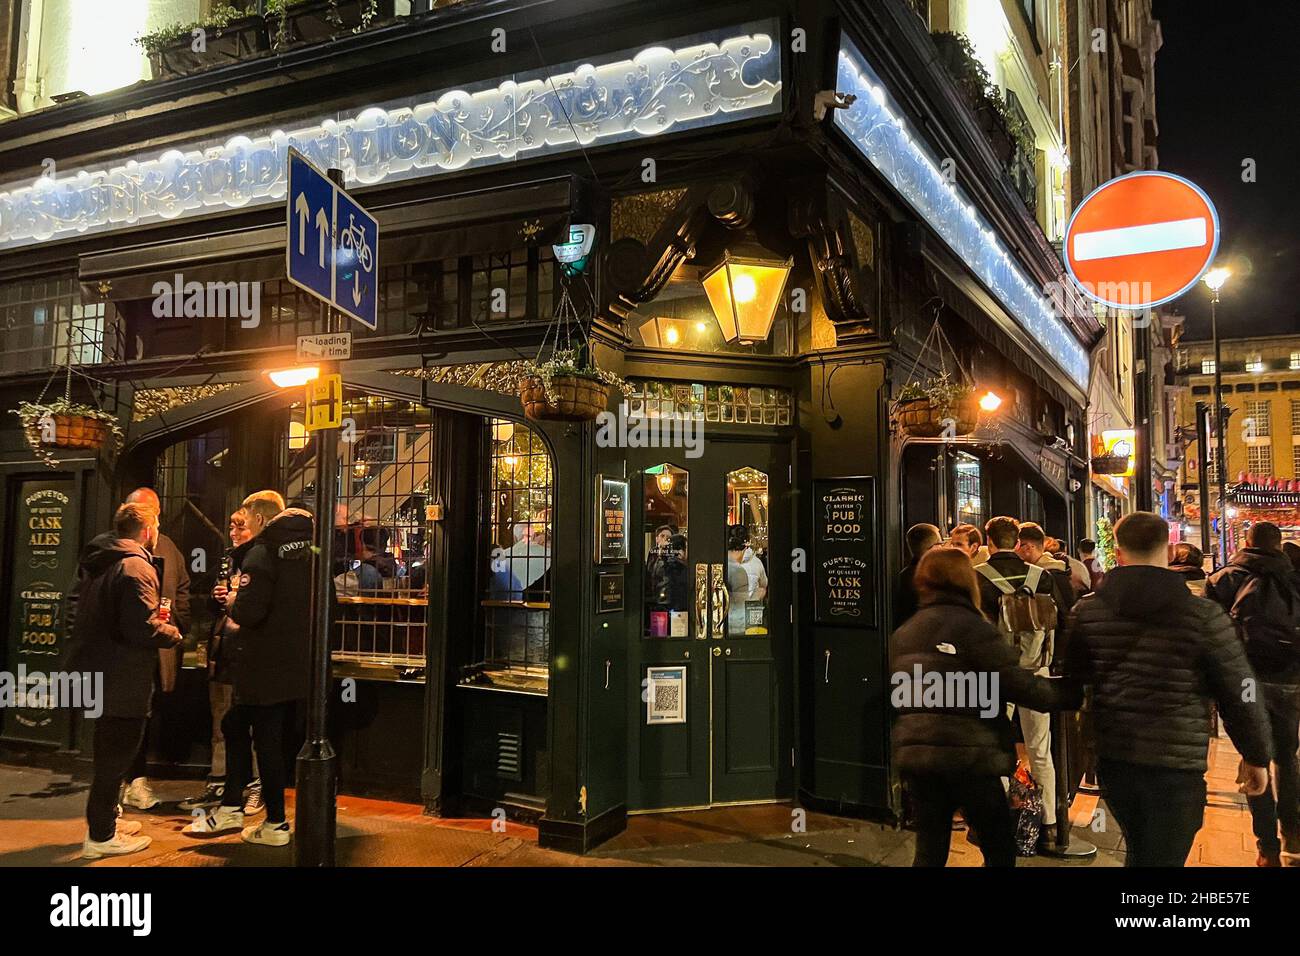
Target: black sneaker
[{"x": 210, "y": 797}]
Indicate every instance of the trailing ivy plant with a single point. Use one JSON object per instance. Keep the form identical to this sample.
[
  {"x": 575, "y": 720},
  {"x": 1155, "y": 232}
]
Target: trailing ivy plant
[
  {"x": 941, "y": 391},
  {"x": 974, "y": 79},
  {"x": 218, "y": 18},
  {"x": 569, "y": 363}
]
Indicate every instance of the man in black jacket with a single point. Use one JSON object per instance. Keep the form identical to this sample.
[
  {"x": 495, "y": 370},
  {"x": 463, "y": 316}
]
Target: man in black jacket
[
  {"x": 1260, "y": 590},
  {"x": 1155, "y": 654},
  {"x": 920, "y": 539},
  {"x": 273, "y": 611},
  {"x": 117, "y": 632}
]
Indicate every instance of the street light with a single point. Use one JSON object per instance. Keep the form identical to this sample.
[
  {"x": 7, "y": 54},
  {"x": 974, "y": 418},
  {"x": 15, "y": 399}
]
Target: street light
[
  {"x": 1214, "y": 280},
  {"x": 294, "y": 377}
]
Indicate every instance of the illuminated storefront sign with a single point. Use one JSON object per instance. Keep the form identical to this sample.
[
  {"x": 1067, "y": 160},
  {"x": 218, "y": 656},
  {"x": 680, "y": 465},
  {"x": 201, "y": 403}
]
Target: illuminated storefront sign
[
  {"x": 874, "y": 124},
  {"x": 688, "y": 83}
]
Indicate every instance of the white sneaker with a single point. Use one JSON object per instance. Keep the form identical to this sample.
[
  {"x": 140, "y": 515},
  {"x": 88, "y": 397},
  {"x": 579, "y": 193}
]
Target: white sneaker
[
  {"x": 220, "y": 820},
  {"x": 129, "y": 827},
  {"x": 118, "y": 846},
  {"x": 267, "y": 834},
  {"x": 139, "y": 796},
  {"x": 253, "y": 803}
]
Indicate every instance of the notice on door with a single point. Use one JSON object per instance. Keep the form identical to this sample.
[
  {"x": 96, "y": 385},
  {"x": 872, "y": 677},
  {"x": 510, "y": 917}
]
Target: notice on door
[
  {"x": 665, "y": 695},
  {"x": 844, "y": 542},
  {"x": 611, "y": 520},
  {"x": 44, "y": 549}
]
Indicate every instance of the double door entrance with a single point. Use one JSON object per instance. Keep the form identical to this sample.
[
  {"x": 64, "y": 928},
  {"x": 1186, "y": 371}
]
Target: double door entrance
[{"x": 709, "y": 636}]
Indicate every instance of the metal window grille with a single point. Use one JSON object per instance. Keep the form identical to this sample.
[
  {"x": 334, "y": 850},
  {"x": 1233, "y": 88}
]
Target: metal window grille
[
  {"x": 516, "y": 519},
  {"x": 1259, "y": 458},
  {"x": 49, "y": 322},
  {"x": 381, "y": 545},
  {"x": 1295, "y": 421},
  {"x": 1261, "y": 415}
]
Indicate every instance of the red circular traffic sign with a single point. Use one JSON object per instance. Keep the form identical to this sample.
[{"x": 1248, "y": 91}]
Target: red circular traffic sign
[{"x": 1141, "y": 240}]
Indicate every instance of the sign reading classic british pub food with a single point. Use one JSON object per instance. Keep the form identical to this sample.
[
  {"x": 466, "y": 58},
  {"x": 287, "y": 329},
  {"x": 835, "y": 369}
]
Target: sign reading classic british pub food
[{"x": 843, "y": 570}]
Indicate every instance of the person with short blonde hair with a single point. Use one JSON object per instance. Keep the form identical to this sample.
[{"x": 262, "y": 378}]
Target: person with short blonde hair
[{"x": 261, "y": 507}]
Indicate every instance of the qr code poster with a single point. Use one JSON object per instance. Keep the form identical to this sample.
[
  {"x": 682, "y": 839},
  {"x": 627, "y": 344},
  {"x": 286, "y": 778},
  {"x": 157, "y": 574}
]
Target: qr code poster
[{"x": 665, "y": 699}]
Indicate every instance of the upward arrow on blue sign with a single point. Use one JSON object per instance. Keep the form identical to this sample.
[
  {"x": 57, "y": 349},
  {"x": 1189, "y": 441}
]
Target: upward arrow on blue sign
[{"x": 332, "y": 247}]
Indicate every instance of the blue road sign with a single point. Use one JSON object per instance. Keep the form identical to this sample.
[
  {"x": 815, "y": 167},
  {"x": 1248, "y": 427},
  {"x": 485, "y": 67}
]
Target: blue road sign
[{"x": 332, "y": 246}]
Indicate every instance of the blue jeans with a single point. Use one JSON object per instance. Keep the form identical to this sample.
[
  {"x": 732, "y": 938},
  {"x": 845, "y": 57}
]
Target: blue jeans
[{"x": 1280, "y": 803}]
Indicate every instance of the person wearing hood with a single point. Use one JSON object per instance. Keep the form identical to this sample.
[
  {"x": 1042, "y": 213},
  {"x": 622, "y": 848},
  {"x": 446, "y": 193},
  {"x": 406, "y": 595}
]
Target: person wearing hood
[
  {"x": 1260, "y": 590},
  {"x": 1155, "y": 655},
  {"x": 1188, "y": 562},
  {"x": 117, "y": 632},
  {"x": 952, "y": 753},
  {"x": 272, "y": 609}
]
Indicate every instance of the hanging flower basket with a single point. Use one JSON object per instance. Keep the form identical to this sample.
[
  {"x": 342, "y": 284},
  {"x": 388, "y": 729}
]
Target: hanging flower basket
[
  {"x": 63, "y": 424},
  {"x": 1110, "y": 464},
  {"x": 569, "y": 398},
  {"x": 926, "y": 418}
]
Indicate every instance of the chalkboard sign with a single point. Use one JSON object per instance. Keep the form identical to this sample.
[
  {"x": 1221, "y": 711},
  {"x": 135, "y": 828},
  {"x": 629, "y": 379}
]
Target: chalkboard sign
[
  {"x": 612, "y": 542},
  {"x": 44, "y": 549},
  {"x": 844, "y": 571}
]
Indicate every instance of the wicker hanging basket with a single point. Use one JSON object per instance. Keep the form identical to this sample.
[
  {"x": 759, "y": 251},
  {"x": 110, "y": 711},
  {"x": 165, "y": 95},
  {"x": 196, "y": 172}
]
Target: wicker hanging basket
[
  {"x": 577, "y": 398},
  {"x": 921, "y": 418},
  {"x": 77, "y": 431}
]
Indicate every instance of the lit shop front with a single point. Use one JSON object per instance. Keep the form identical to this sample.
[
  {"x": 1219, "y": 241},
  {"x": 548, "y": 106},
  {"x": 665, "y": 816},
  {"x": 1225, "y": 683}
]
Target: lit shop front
[{"x": 685, "y": 604}]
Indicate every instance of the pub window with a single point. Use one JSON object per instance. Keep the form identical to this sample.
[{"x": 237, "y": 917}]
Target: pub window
[
  {"x": 381, "y": 541},
  {"x": 514, "y": 641},
  {"x": 50, "y": 322},
  {"x": 967, "y": 483},
  {"x": 512, "y": 286}
]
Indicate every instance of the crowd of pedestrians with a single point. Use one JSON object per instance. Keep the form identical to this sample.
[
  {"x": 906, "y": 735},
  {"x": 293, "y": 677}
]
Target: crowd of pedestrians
[{"x": 1151, "y": 650}]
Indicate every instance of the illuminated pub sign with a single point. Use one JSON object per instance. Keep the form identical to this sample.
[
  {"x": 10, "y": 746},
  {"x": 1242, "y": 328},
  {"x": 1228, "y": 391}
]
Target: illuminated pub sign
[
  {"x": 44, "y": 550},
  {"x": 691, "y": 82},
  {"x": 844, "y": 574}
]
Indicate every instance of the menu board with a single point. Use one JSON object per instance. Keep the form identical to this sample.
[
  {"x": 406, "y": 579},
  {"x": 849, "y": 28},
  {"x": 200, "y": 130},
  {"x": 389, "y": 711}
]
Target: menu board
[
  {"x": 44, "y": 549},
  {"x": 612, "y": 542},
  {"x": 844, "y": 571}
]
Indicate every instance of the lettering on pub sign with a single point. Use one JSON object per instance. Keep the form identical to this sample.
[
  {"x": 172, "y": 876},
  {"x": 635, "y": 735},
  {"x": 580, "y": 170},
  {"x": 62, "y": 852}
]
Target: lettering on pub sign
[{"x": 844, "y": 573}]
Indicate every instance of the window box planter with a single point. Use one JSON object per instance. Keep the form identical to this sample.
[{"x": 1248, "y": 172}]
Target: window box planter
[
  {"x": 238, "y": 40},
  {"x": 315, "y": 22}
]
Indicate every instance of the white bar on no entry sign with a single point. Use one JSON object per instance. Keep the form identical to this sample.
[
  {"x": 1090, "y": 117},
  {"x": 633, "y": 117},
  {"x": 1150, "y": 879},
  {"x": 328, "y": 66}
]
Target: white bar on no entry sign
[{"x": 1132, "y": 240}]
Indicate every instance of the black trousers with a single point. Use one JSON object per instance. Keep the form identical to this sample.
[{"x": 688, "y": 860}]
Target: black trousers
[
  {"x": 982, "y": 802},
  {"x": 263, "y": 726},
  {"x": 1279, "y": 803},
  {"x": 117, "y": 741},
  {"x": 1158, "y": 810}
]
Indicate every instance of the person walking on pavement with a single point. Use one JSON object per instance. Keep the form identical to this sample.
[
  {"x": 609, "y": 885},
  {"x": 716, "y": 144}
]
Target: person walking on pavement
[
  {"x": 1188, "y": 562},
  {"x": 953, "y": 756},
  {"x": 920, "y": 539},
  {"x": 1260, "y": 590},
  {"x": 272, "y": 610},
  {"x": 117, "y": 632},
  {"x": 1022, "y": 602},
  {"x": 1088, "y": 555},
  {"x": 1155, "y": 655}
]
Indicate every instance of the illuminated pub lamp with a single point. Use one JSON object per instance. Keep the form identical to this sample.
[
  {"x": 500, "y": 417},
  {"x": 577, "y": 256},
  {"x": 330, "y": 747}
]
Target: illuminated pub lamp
[
  {"x": 294, "y": 377},
  {"x": 744, "y": 290}
]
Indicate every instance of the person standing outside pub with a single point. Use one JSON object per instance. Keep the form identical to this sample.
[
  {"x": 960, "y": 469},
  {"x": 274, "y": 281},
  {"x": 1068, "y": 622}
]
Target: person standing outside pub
[
  {"x": 1155, "y": 655},
  {"x": 117, "y": 632},
  {"x": 920, "y": 539}
]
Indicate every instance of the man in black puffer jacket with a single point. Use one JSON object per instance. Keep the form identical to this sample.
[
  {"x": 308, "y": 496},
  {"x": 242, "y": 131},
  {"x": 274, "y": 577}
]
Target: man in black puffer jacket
[
  {"x": 952, "y": 753},
  {"x": 1260, "y": 590},
  {"x": 1154, "y": 655},
  {"x": 270, "y": 674}
]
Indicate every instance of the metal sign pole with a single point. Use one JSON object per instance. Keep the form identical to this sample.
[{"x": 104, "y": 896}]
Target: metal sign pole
[{"x": 317, "y": 762}]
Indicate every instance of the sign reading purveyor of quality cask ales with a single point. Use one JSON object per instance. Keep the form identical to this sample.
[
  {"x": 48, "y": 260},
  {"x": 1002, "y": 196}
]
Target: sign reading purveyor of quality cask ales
[
  {"x": 44, "y": 549},
  {"x": 844, "y": 536}
]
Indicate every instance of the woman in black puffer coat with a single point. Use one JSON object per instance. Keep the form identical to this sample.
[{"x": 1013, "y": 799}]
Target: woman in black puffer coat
[{"x": 952, "y": 676}]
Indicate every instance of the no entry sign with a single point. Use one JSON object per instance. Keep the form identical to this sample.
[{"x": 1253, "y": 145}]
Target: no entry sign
[{"x": 1141, "y": 240}]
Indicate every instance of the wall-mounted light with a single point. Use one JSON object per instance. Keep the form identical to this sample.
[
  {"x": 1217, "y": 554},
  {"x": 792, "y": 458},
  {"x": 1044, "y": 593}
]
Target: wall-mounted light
[
  {"x": 990, "y": 401},
  {"x": 744, "y": 290},
  {"x": 665, "y": 480},
  {"x": 295, "y": 377},
  {"x": 664, "y": 332}
]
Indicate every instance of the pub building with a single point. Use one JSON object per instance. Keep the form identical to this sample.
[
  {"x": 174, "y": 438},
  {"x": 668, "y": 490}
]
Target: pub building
[{"x": 537, "y": 616}]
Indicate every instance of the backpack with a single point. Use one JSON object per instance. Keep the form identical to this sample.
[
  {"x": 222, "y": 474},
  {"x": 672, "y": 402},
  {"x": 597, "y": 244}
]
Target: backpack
[
  {"x": 1267, "y": 611},
  {"x": 1024, "y": 616}
]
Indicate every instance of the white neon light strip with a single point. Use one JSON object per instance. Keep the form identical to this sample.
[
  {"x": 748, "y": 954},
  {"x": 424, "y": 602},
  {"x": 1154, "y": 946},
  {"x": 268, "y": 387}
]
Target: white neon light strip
[
  {"x": 874, "y": 125},
  {"x": 686, "y": 83},
  {"x": 1134, "y": 240}
]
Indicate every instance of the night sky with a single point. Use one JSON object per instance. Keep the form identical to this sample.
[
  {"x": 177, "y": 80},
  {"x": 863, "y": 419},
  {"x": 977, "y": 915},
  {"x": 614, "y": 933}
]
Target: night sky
[{"x": 1226, "y": 91}]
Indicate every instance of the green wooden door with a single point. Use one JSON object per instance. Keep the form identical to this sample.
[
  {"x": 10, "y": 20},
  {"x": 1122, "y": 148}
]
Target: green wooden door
[{"x": 709, "y": 601}]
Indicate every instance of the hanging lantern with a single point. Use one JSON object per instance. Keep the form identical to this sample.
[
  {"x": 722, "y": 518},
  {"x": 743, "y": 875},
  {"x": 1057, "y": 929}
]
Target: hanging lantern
[
  {"x": 744, "y": 290},
  {"x": 665, "y": 480}
]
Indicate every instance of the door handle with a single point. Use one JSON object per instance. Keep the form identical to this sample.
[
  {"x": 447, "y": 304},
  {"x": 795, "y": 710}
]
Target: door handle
[
  {"x": 701, "y": 601},
  {"x": 826, "y": 676},
  {"x": 721, "y": 602},
  {"x": 717, "y": 651}
]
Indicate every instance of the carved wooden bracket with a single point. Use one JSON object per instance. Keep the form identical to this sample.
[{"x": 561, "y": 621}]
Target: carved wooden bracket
[{"x": 844, "y": 276}]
